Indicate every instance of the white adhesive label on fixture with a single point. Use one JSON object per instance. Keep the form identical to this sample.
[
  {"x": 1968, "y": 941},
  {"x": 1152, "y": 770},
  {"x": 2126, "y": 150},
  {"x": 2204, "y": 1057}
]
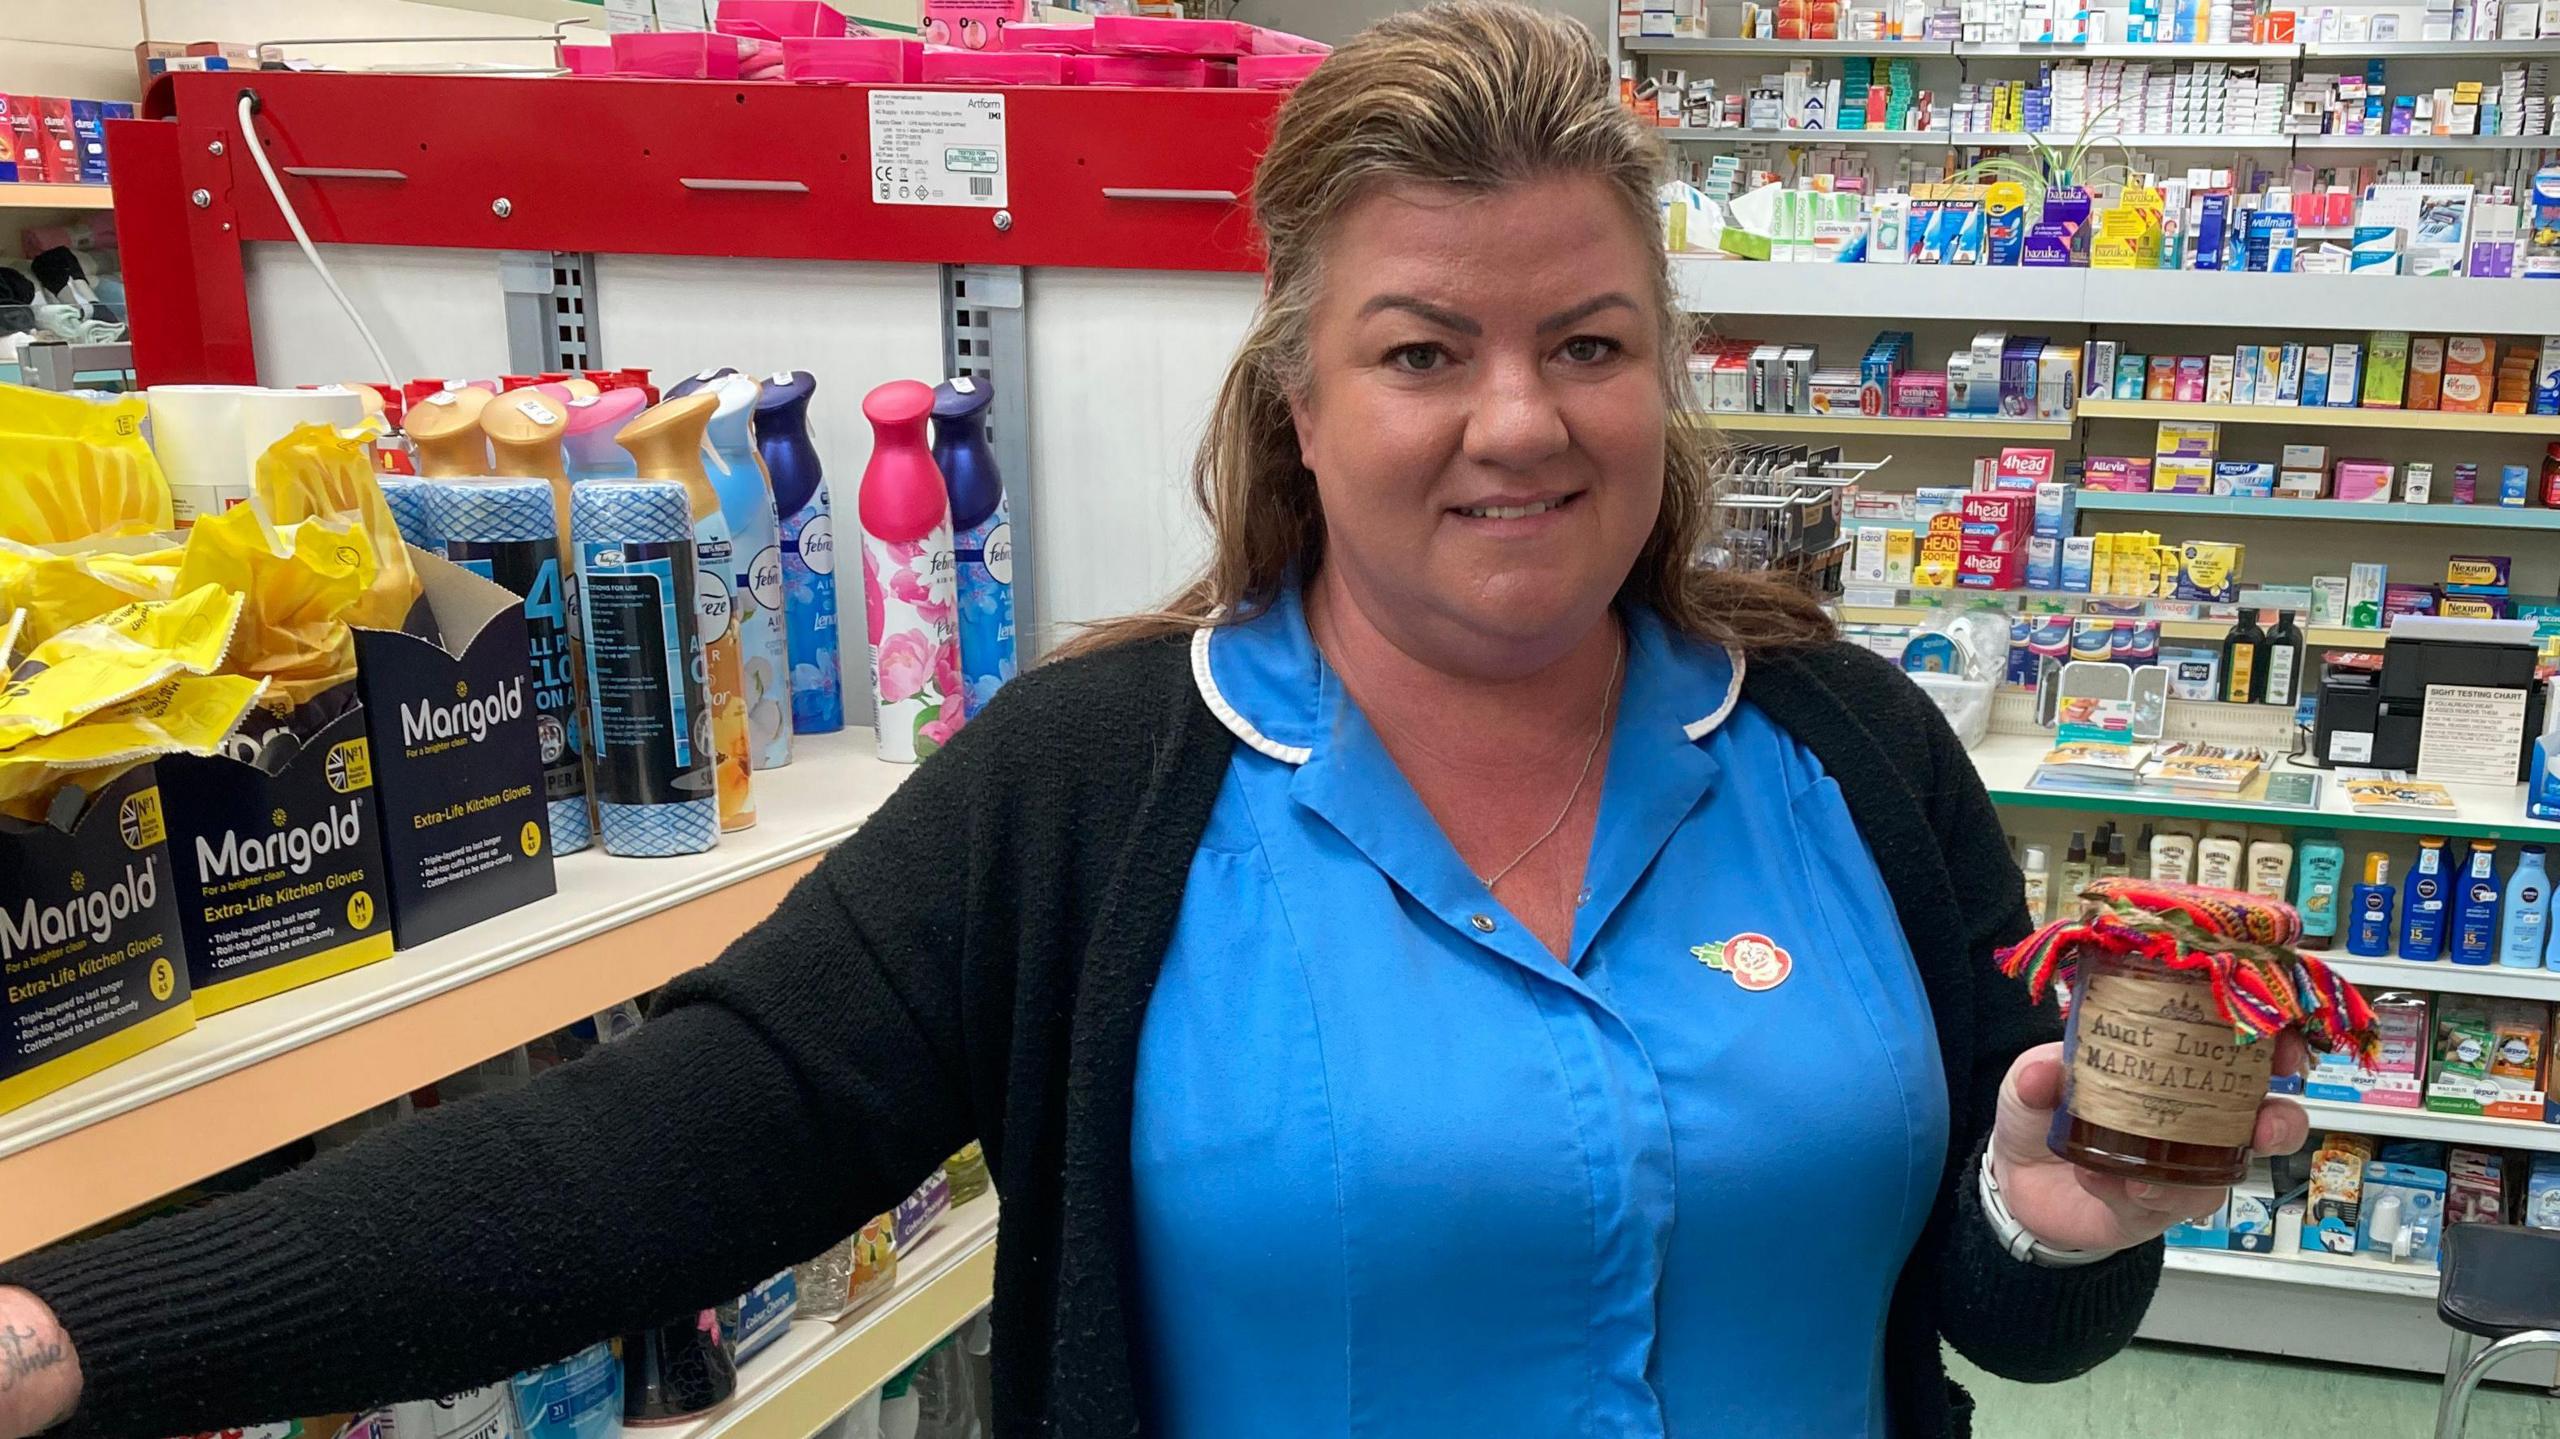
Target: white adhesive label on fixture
[{"x": 938, "y": 147}]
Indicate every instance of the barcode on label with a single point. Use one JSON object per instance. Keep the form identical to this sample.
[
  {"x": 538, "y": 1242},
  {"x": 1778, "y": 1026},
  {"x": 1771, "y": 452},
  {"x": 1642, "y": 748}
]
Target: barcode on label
[{"x": 982, "y": 185}]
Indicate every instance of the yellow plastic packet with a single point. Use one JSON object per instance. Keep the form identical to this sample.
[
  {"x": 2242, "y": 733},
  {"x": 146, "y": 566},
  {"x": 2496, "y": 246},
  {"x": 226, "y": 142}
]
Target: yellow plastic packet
[
  {"x": 61, "y": 590},
  {"x": 77, "y": 469},
  {"x": 191, "y": 714},
  {"x": 301, "y": 584},
  {"x": 317, "y": 472},
  {"x": 106, "y": 661}
]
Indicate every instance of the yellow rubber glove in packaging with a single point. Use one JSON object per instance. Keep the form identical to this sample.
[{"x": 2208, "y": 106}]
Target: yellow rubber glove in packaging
[
  {"x": 104, "y": 662},
  {"x": 191, "y": 714},
  {"x": 316, "y": 472},
  {"x": 300, "y": 584},
  {"x": 100, "y": 697},
  {"x": 61, "y": 590},
  {"x": 74, "y": 469}
]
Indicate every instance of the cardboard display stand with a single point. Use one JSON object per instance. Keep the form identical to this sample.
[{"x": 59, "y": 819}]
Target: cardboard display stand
[
  {"x": 457, "y": 758},
  {"x": 90, "y": 947}
]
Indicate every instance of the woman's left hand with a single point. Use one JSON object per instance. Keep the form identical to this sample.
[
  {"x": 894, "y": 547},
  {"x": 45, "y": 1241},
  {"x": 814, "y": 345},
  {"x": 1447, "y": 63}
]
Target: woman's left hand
[{"x": 2069, "y": 1207}]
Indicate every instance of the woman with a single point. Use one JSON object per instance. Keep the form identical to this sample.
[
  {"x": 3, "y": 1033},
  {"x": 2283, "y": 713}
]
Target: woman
[{"x": 1459, "y": 969}]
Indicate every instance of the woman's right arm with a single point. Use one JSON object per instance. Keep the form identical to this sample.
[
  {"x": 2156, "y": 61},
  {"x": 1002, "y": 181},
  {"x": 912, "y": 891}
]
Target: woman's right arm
[{"x": 777, "y": 1100}]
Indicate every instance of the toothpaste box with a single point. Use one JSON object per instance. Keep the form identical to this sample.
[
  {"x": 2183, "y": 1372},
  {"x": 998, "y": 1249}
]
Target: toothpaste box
[{"x": 91, "y": 952}]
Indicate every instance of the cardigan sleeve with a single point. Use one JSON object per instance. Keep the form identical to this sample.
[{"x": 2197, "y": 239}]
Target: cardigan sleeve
[
  {"x": 2015, "y": 1318},
  {"x": 775, "y": 1101}
]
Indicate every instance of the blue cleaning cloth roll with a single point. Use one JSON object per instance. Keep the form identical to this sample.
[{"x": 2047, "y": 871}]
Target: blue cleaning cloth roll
[
  {"x": 648, "y": 701},
  {"x": 506, "y": 530}
]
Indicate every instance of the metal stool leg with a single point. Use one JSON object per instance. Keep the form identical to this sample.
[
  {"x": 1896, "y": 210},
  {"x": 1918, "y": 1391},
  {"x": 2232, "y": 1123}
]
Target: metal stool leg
[{"x": 2467, "y": 1364}]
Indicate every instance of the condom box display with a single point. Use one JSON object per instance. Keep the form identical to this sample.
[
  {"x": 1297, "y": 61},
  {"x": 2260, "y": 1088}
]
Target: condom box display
[
  {"x": 92, "y": 969},
  {"x": 457, "y": 759},
  {"x": 278, "y": 852}
]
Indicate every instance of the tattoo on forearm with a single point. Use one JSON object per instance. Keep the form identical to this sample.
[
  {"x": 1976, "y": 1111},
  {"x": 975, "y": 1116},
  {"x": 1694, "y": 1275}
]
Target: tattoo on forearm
[{"x": 21, "y": 1356}]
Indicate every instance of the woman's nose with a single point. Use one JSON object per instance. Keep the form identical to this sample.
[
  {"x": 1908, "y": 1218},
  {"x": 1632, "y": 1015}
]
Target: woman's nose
[{"x": 1516, "y": 422}]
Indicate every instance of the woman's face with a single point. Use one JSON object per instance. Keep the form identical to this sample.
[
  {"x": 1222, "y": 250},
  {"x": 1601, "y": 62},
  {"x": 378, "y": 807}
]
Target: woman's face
[{"x": 1484, "y": 416}]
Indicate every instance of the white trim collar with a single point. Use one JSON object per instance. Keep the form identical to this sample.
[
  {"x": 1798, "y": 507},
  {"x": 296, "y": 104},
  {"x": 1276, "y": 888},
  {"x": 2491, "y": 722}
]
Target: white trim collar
[
  {"x": 1243, "y": 729},
  {"x": 1228, "y": 715},
  {"x": 1705, "y": 725}
]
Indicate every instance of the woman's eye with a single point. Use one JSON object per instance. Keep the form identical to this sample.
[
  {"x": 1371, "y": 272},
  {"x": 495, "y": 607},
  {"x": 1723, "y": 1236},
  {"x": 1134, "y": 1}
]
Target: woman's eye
[
  {"x": 1416, "y": 359},
  {"x": 1590, "y": 349}
]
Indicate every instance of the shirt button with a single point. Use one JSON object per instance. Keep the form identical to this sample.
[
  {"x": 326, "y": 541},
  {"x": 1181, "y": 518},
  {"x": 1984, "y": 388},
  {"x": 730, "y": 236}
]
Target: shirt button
[{"x": 1482, "y": 922}]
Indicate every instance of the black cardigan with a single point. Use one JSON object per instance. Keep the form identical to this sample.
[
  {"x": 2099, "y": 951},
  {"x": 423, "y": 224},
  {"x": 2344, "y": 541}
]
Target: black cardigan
[{"x": 975, "y": 961}]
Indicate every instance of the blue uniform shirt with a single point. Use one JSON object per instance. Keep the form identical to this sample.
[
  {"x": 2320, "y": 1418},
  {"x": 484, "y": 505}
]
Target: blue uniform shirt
[{"x": 1398, "y": 1171}]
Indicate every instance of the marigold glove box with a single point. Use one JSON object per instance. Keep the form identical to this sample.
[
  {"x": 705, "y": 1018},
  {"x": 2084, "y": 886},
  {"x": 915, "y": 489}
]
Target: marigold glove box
[
  {"x": 457, "y": 758},
  {"x": 92, "y": 963}
]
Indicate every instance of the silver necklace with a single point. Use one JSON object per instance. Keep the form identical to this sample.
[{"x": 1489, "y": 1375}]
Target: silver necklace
[{"x": 1608, "y": 698}]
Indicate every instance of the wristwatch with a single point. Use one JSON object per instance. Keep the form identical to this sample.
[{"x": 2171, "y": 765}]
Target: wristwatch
[{"x": 2015, "y": 1238}]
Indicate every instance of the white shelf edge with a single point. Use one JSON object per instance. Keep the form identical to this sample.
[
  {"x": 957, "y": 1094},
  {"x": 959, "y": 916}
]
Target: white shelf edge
[
  {"x": 797, "y": 821},
  {"x": 2321, "y": 1271},
  {"x": 2426, "y": 1124},
  {"x": 2443, "y": 977}
]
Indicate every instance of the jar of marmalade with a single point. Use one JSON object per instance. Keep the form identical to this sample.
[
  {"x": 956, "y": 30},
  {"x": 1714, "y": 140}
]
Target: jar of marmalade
[{"x": 2156, "y": 1087}]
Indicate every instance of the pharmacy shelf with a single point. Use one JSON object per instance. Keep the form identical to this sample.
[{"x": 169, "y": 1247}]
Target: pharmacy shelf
[
  {"x": 2099, "y": 407},
  {"x": 1665, "y": 46},
  {"x": 2483, "y": 517},
  {"x": 1734, "y": 420},
  {"x": 2495, "y": 980},
  {"x": 2126, "y": 50},
  {"x": 2007, "y": 762},
  {"x": 2428, "y": 143},
  {"x": 2105, "y": 144},
  {"x": 2429, "y": 49},
  {"x": 2213, "y": 630},
  {"x": 1805, "y": 138},
  {"x": 266, "y": 1074},
  {"x": 820, "y": 1368},
  {"x": 2424, "y": 1124},
  {"x": 2320, "y": 1271},
  {"x": 2256, "y": 1304},
  {"x": 1988, "y": 294},
  {"x": 20, "y": 196}
]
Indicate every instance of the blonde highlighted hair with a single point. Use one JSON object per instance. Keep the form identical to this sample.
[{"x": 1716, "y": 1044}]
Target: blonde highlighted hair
[{"x": 1477, "y": 95}]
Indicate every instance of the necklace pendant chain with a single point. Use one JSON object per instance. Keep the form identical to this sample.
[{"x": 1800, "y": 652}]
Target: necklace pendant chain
[{"x": 1608, "y": 698}]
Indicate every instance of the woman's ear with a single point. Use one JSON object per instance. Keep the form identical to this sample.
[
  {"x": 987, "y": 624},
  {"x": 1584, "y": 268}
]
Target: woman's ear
[{"x": 1302, "y": 419}]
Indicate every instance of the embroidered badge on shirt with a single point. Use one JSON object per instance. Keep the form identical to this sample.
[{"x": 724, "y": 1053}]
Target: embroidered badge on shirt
[{"x": 1755, "y": 961}]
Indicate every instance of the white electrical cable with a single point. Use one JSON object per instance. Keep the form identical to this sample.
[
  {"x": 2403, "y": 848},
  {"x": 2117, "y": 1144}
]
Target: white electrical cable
[{"x": 302, "y": 237}]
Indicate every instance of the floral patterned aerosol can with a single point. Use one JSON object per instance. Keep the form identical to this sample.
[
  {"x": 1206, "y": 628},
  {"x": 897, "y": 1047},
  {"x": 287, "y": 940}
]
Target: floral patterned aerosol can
[{"x": 909, "y": 580}]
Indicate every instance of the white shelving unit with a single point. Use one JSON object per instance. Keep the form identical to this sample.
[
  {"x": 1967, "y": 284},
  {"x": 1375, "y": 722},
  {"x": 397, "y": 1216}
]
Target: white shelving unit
[
  {"x": 2189, "y": 298},
  {"x": 2427, "y": 1124},
  {"x": 2446, "y": 978}
]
